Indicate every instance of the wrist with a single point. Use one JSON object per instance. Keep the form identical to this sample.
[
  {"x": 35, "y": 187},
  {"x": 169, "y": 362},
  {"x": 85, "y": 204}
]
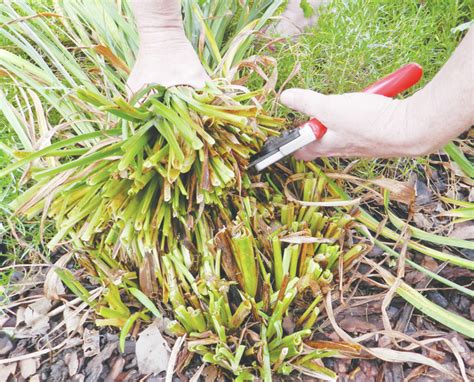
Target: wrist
[
  {"x": 156, "y": 39},
  {"x": 422, "y": 129},
  {"x": 159, "y": 22}
]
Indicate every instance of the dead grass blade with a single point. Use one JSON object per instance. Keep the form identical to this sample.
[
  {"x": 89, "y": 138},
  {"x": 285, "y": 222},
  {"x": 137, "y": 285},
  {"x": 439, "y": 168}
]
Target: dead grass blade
[
  {"x": 387, "y": 355},
  {"x": 443, "y": 316},
  {"x": 116, "y": 62}
]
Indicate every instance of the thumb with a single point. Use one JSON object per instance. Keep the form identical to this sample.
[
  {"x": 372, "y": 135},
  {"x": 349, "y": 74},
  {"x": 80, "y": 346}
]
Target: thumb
[{"x": 307, "y": 102}]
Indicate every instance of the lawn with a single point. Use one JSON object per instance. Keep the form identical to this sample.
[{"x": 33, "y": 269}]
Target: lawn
[{"x": 413, "y": 221}]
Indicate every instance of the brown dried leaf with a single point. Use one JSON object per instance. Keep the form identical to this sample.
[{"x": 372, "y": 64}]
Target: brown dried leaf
[
  {"x": 228, "y": 262},
  {"x": 424, "y": 195},
  {"x": 6, "y": 344},
  {"x": 211, "y": 373},
  {"x": 72, "y": 362},
  {"x": 53, "y": 286},
  {"x": 36, "y": 316},
  {"x": 20, "y": 316},
  {"x": 289, "y": 323},
  {"x": 387, "y": 355},
  {"x": 461, "y": 346},
  {"x": 463, "y": 231},
  {"x": 147, "y": 277},
  {"x": 430, "y": 263},
  {"x": 3, "y": 320},
  {"x": 6, "y": 371},
  {"x": 342, "y": 347},
  {"x": 95, "y": 367},
  {"x": 173, "y": 357},
  {"x": 152, "y": 350},
  {"x": 422, "y": 221},
  {"x": 356, "y": 325},
  {"x": 115, "y": 370},
  {"x": 38, "y": 15},
  {"x": 72, "y": 320},
  {"x": 28, "y": 367},
  {"x": 116, "y": 62},
  {"x": 205, "y": 176},
  {"x": 91, "y": 344},
  {"x": 399, "y": 191}
]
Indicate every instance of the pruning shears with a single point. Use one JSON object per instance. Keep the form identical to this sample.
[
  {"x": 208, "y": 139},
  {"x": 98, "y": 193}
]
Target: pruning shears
[{"x": 277, "y": 148}]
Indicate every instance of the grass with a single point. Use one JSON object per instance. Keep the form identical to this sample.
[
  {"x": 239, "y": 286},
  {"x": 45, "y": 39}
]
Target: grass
[
  {"x": 357, "y": 42},
  {"x": 8, "y": 189},
  {"x": 10, "y": 251}
]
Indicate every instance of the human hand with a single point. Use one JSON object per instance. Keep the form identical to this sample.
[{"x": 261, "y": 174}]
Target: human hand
[
  {"x": 165, "y": 56},
  {"x": 363, "y": 125},
  {"x": 293, "y": 20},
  {"x": 368, "y": 125}
]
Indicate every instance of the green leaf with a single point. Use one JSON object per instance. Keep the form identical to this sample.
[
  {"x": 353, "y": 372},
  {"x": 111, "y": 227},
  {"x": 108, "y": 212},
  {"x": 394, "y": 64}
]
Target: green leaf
[
  {"x": 188, "y": 134},
  {"x": 85, "y": 160},
  {"x": 415, "y": 298},
  {"x": 127, "y": 328},
  {"x": 75, "y": 286},
  {"x": 93, "y": 98},
  {"x": 419, "y": 268},
  {"x": 307, "y": 8},
  {"x": 458, "y": 156},
  {"x": 146, "y": 302},
  {"x": 463, "y": 213},
  {"x": 58, "y": 145},
  {"x": 430, "y": 237}
]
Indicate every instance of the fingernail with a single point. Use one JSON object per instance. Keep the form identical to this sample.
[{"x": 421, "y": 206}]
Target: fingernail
[{"x": 288, "y": 97}]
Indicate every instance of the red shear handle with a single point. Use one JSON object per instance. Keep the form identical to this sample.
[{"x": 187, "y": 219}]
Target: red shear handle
[
  {"x": 390, "y": 86},
  {"x": 397, "y": 82}
]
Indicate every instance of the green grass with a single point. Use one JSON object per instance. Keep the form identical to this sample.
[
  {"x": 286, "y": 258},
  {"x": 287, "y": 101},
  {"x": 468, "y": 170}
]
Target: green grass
[
  {"x": 7, "y": 190},
  {"x": 356, "y": 42},
  {"x": 29, "y": 232}
]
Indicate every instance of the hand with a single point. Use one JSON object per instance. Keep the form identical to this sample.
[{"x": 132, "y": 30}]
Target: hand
[
  {"x": 293, "y": 21},
  {"x": 165, "y": 56},
  {"x": 368, "y": 125},
  {"x": 363, "y": 125}
]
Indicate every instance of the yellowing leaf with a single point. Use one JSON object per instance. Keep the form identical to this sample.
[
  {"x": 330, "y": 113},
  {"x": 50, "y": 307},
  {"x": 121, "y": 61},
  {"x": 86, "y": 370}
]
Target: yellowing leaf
[
  {"x": 116, "y": 62},
  {"x": 38, "y": 15}
]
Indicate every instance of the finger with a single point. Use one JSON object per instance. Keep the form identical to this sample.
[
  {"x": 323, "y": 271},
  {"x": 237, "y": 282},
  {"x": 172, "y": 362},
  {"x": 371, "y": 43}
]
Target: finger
[
  {"x": 316, "y": 149},
  {"x": 306, "y": 154},
  {"x": 306, "y": 101},
  {"x": 332, "y": 144}
]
